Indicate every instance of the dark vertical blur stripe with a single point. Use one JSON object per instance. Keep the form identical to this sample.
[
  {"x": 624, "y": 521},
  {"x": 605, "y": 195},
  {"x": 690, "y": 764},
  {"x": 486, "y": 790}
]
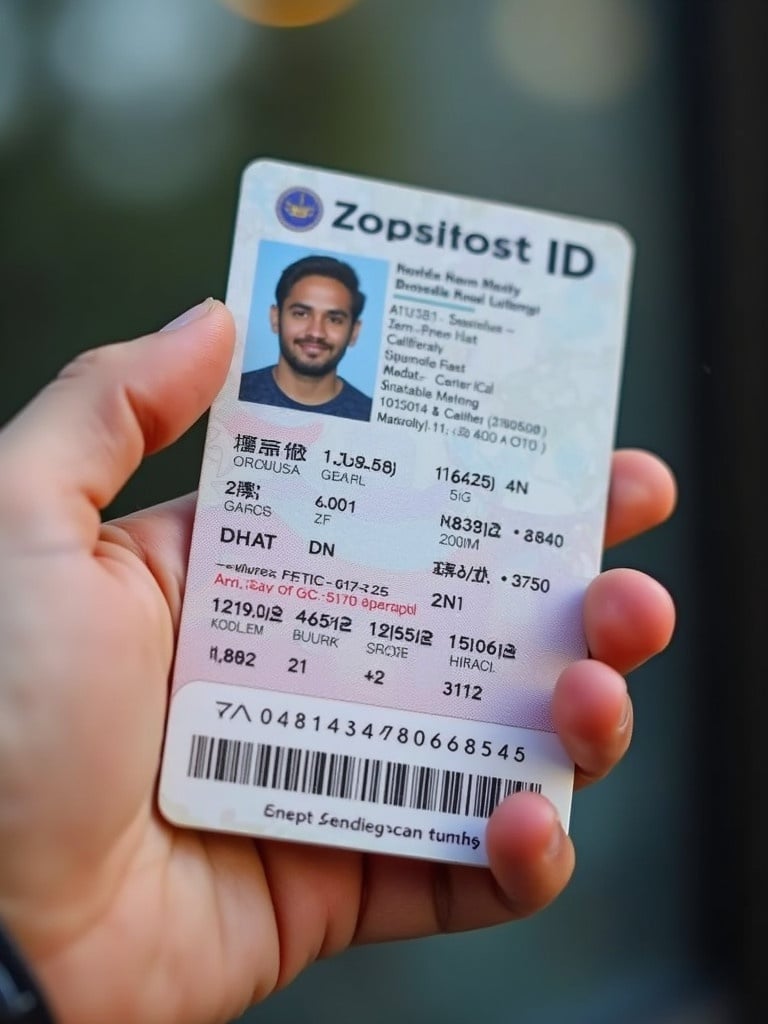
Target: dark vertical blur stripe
[
  {"x": 727, "y": 84},
  {"x": 741, "y": 32},
  {"x": 703, "y": 90}
]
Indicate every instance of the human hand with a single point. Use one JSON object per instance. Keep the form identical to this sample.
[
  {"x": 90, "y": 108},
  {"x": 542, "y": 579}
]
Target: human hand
[{"x": 124, "y": 917}]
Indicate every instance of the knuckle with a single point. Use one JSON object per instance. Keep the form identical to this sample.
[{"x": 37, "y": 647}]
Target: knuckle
[{"x": 90, "y": 362}]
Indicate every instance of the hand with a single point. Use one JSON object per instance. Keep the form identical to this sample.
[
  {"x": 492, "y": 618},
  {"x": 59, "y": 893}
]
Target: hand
[{"x": 124, "y": 917}]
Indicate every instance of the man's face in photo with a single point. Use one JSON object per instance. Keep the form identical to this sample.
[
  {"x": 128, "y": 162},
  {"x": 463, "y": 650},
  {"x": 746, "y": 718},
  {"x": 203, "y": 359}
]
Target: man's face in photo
[{"x": 315, "y": 325}]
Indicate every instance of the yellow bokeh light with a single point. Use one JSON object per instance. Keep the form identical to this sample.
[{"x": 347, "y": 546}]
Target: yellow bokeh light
[{"x": 289, "y": 13}]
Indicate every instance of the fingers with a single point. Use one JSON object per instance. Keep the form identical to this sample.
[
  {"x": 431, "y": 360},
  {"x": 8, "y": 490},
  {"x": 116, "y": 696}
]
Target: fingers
[
  {"x": 592, "y": 713},
  {"x": 531, "y": 860},
  {"x": 642, "y": 494},
  {"x": 530, "y": 855},
  {"x": 82, "y": 437},
  {"x": 628, "y": 617}
]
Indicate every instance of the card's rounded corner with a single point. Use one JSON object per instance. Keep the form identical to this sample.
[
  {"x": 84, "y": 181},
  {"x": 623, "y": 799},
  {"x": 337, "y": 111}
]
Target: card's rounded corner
[
  {"x": 623, "y": 237},
  {"x": 256, "y": 163}
]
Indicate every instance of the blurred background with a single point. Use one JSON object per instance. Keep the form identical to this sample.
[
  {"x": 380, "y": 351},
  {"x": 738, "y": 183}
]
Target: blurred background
[{"x": 124, "y": 126}]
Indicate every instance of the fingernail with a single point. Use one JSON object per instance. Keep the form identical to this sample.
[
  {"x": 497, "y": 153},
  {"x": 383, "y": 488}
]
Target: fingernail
[
  {"x": 626, "y": 716},
  {"x": 556, "y": 841},
  {"x": 195, "y": 313}
]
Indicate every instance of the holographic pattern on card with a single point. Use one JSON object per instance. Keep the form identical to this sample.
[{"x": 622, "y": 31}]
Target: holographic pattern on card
[{"x": 410, "y": 532}]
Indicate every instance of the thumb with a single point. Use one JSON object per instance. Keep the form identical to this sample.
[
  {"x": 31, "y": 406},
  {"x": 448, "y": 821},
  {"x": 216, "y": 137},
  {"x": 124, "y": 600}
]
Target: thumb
[{"x": 68, "y": 453}]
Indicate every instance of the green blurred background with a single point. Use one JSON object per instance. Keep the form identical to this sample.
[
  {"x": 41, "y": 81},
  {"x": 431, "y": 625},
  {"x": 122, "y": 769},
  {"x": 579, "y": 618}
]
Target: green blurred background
[{"x": 124, "y": 126}]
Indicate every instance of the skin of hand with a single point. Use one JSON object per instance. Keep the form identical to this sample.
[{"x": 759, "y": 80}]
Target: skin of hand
[{"x": 124, "y": 917}]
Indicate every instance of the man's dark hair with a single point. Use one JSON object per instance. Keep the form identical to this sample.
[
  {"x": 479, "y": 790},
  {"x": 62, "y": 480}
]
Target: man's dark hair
[{"x": 321, "y": 266}]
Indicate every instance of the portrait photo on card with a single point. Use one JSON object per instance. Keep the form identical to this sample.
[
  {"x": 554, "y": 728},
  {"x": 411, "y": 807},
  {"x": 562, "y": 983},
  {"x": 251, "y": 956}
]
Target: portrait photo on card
[{"x": 314, "y": 330}]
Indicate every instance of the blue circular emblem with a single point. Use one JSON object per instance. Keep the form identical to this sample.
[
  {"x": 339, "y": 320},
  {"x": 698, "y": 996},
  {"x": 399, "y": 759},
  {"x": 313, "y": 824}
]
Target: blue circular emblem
[{"x": 299, "y": 209}]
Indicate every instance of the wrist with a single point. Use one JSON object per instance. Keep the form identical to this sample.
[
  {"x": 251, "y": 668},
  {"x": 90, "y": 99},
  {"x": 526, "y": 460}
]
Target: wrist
[{"x": 21, "y": 998}]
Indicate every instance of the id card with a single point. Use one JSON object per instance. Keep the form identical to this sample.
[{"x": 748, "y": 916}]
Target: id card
[{"x": 401, "y": 504}]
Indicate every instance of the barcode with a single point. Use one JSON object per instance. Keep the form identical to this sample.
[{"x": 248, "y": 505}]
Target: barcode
[{"x": 350, "y": 778}]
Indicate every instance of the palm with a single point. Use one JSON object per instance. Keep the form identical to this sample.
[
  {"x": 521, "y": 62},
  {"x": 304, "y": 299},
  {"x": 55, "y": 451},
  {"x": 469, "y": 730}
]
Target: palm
[
  {"x": 135, "y": 888},
  {"x": 131, "y": 888},
  {"x": 125, "y": 916}
]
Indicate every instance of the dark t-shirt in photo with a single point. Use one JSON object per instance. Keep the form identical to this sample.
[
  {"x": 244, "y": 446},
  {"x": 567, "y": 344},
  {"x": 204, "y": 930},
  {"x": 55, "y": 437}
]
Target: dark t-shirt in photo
[{"x": 260, "y": 386}]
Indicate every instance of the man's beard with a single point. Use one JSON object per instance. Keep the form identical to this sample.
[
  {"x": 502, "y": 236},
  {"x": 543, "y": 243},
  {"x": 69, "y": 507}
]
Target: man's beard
[{"x": 311, "y": 369}]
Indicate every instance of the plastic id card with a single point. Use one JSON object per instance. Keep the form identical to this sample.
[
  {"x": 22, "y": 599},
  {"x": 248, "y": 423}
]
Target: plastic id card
[{"x": 402, "y": 501}]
